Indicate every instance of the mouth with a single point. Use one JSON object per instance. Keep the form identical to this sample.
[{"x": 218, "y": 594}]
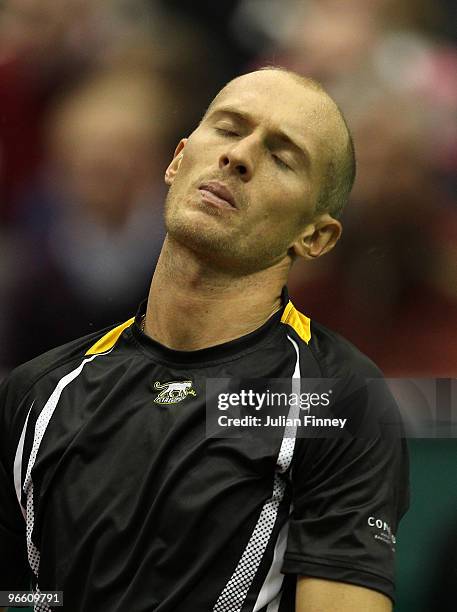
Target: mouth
[{"x": 217, "y": 194}]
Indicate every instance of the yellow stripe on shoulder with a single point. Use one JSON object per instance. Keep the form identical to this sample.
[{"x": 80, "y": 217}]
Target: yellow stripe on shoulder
[
  {"x": 107, "y": 341},
  {"x": 298, "y": 321}
]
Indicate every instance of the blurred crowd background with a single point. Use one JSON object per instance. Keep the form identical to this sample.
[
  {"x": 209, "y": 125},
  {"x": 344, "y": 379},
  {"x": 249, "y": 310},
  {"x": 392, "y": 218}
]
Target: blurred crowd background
[{"x": 94, "y": 96}]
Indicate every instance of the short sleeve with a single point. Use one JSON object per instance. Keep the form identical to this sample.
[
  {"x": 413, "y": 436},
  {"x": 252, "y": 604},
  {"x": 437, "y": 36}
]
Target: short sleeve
[
  {"x": 14, "y": 569},
  {"x": 349, "y": 493}
]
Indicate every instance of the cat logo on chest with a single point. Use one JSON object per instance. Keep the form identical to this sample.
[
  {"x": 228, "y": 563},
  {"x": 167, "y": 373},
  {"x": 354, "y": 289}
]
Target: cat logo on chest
[{"x": 173, "y": 392}]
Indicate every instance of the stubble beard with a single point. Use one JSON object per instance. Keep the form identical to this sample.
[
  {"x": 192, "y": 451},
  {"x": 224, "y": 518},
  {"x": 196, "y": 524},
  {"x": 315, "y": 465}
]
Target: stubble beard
[
  {"x": 228, "y": 251},
  {"x": 207, "y": 240}
]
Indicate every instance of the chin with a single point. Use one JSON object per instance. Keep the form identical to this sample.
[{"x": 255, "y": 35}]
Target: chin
[{"x": 198, "y": 234}]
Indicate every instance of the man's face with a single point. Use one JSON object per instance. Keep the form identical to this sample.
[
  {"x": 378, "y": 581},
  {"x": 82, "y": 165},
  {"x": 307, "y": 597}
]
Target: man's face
[{"x": 244, "y": 185}]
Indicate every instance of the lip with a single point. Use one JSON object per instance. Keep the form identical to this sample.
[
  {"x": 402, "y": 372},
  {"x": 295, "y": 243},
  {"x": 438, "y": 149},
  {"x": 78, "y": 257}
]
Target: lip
[{"x": 220, "y": 191}]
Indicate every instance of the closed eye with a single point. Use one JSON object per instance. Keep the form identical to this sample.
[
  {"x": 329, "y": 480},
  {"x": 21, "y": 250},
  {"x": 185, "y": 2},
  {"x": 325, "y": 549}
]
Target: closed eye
[
  {"x": 280, "y": 162},
  {"x": 226, "y": 132}
]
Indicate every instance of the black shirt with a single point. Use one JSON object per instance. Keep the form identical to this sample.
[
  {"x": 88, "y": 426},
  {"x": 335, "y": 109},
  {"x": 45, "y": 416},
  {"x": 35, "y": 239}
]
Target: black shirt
[{"x": 125, "y": 503}]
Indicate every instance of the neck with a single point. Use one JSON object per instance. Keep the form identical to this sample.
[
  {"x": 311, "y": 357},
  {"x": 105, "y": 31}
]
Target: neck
[{"x": 191, "y": 306}]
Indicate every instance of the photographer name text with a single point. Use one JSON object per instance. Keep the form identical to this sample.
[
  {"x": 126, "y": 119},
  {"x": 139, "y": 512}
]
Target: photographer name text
[{"x": 307, "y": 420}]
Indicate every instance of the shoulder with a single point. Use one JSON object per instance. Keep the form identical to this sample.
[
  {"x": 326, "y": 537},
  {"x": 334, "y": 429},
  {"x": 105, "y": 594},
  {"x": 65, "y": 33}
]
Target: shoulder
[
  {"x": 338, "y": 356},
  {"x": 42, "y": 376},
  {"x": 335, "y": 356},
  {"x": 21, "y": 380}
]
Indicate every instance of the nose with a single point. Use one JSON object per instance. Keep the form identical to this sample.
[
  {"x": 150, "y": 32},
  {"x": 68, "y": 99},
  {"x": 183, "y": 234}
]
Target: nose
[{"x": 239, "y": 160}]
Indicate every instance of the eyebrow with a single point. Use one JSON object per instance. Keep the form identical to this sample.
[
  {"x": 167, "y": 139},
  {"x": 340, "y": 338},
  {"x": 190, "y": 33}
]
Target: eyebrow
[{"x": 277, "y": 134}]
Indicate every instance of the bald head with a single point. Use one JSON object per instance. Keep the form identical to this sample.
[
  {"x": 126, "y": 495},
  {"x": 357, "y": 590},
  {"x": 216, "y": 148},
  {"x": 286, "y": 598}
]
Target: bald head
[
  {"x": 337, "y": 156},
  {"x": 252, "y": 185}
]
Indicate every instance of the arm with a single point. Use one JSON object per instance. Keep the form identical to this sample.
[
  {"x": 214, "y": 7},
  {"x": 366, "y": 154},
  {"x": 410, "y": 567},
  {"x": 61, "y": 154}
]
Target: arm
[
  {"x": 348, "y": 496},
  {"x": 316, "y": 595},
  {"x": 14, "y": 569}
]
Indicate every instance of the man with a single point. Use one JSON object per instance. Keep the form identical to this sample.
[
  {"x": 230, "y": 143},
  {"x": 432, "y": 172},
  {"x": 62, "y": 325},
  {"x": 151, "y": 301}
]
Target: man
[{"x": 128, "y": 504}]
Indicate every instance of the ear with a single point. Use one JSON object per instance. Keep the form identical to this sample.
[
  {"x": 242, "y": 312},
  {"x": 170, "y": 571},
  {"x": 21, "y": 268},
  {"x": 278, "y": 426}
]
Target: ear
[
  {"x": 173, "y": 168},
  {"x": 318, "y": 237}
]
